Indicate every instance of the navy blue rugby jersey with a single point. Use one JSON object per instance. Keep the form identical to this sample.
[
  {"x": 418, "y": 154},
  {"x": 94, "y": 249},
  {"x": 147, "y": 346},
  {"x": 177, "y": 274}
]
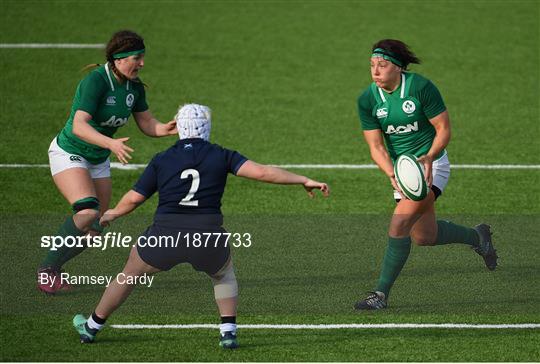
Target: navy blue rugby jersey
[{"x": 190, "y": 177}]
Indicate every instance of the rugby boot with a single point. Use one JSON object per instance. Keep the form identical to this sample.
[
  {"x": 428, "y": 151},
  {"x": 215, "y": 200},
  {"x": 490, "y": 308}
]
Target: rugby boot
[
  {"x": 228, "y": 340},
  {"x": 49, "y": 281},
  {"x": 374, "y": 301},
  {"x": 63, "y": 286},
  {"x": 485, "y": 248},
  {"x": 86, "y": 335}
]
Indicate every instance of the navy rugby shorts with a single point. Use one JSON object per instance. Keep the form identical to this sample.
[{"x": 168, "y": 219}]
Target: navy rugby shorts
[{"x": 180, "y": 245}]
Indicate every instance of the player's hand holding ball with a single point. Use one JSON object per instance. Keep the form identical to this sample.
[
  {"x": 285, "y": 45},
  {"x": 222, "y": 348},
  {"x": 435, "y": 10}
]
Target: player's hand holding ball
[
  {"x": 395, "y": 185},
  {"x": 427, "y": 162}
]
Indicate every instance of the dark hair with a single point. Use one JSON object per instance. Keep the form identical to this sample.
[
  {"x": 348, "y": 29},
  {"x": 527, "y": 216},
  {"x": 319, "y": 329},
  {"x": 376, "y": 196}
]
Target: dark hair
[
  {"x": 399, "y": 50},
  {"x": 121, "y": 41}
]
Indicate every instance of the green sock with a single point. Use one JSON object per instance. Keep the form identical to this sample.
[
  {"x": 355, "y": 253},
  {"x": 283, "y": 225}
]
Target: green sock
[
  {"x": 449, "y": 233},
  {"x": 395, "y": 257},
  {"x": 54, "y": 257},
  {"x": 73, "y": 252}
]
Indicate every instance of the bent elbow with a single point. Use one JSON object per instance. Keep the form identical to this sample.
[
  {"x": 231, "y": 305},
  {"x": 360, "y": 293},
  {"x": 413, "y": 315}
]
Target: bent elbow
[{"x": 75, "y": 130}]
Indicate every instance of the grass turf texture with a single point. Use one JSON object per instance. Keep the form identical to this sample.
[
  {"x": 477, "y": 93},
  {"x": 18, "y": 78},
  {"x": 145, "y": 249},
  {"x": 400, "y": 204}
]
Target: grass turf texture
[{"x": 282, "y": 79}]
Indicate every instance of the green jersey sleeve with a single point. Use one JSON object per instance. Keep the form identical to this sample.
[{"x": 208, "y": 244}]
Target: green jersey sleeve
[
  {"x": 366, "y": 102},
  {"x": 91, "y": 90},
  {"x": 431, "y": 99},
  {"x": 140, "y": 104}
]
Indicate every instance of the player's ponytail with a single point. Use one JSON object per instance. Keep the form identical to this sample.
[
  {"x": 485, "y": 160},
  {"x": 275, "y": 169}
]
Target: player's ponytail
[
  {"x": 90, "y": 67},
  {"x": 398, "y": 50}
]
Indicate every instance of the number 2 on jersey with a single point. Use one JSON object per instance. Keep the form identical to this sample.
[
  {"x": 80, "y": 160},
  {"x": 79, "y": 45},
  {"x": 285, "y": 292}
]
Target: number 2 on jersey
[{"x": 187, "y": 201}]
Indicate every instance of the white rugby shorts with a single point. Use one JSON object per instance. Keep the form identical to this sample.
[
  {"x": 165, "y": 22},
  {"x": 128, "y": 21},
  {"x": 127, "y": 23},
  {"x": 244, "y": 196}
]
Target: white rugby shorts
[
  {"x": 441, "y": 174},
  {"x": 60, "y": 160}
]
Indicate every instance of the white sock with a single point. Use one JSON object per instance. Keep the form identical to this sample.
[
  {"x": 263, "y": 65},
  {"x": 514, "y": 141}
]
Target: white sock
[
  {"x": 223, "y": 328},
  {"x": 92, "y": 324}
]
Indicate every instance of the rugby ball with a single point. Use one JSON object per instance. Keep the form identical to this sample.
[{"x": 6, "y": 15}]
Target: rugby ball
[{"x": 410, "y": 177}]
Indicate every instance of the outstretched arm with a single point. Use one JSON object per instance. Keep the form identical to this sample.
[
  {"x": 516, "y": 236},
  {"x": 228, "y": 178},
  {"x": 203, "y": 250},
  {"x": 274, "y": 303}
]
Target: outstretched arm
[
  {"x": 150, "y": 126},
  {"x": 265, "y": 173},
  {"x": 128, "y": 203}
]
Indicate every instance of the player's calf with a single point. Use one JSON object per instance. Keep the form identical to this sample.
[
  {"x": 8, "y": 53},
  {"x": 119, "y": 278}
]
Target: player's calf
[{"x": 422, "y": 240}]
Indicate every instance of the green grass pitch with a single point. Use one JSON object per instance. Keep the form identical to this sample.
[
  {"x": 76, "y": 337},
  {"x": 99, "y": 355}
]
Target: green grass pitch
[{"x": 282, "y": 79}]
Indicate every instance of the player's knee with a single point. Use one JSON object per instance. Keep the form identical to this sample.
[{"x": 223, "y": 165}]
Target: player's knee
[
  {"x": 401, "y": 224},
  {"x": 399, "y": 227},
  {"x": 86, "y": 212},
  {"x": 87, "y": 203},
  {"x": 224, "y": 281}
]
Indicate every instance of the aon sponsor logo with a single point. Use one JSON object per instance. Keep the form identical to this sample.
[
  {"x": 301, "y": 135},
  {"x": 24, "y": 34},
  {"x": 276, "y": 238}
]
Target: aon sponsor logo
[
  {"x": 402, "y": 129},
  {"x": 114, "y": 122}
]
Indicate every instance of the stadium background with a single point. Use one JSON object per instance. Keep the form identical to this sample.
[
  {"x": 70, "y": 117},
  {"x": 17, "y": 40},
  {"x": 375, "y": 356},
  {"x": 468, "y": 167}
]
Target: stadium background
[{"x": 282, "y": 79}]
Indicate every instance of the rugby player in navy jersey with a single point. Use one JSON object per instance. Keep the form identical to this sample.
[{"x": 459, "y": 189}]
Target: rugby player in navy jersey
[{"x": 190, "y": 178}]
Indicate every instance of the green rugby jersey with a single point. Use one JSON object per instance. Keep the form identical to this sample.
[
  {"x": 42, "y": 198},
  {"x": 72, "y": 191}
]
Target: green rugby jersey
[
  {"x": 109, "y": 102},
  {"x": 403, "y": 115}
]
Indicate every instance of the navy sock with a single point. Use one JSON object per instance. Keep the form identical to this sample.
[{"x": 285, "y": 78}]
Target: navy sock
[{"x": 228, "y": 319}]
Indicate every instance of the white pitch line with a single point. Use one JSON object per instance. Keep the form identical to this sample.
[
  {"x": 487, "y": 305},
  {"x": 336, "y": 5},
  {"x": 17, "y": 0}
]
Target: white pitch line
[
  {"x": 336, "y": 326},
  {"x": 373, "y": 166},
  {"x": 50, "y": 46},
  {"x": 134, "y": 166}
]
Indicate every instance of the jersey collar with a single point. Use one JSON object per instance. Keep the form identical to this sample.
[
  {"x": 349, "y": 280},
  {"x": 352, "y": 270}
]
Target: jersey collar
[
  {"x": 111, "y": 78},
  {"x": 402, "y": 91}
]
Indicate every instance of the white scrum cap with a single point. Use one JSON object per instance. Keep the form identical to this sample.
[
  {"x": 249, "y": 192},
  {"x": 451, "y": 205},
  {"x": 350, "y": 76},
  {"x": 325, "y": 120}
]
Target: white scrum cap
[{"x": 193, "y": 121}]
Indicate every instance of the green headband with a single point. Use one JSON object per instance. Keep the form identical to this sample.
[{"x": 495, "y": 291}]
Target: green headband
[
  {"x": 127, "y": 54},
  {"x": 387, "y": 55}
]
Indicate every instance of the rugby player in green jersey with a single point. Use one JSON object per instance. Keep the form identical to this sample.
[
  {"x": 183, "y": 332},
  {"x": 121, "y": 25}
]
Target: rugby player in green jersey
[
  {"x": 403, "y": 112},
  {"x": 79, "y": 154}
]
